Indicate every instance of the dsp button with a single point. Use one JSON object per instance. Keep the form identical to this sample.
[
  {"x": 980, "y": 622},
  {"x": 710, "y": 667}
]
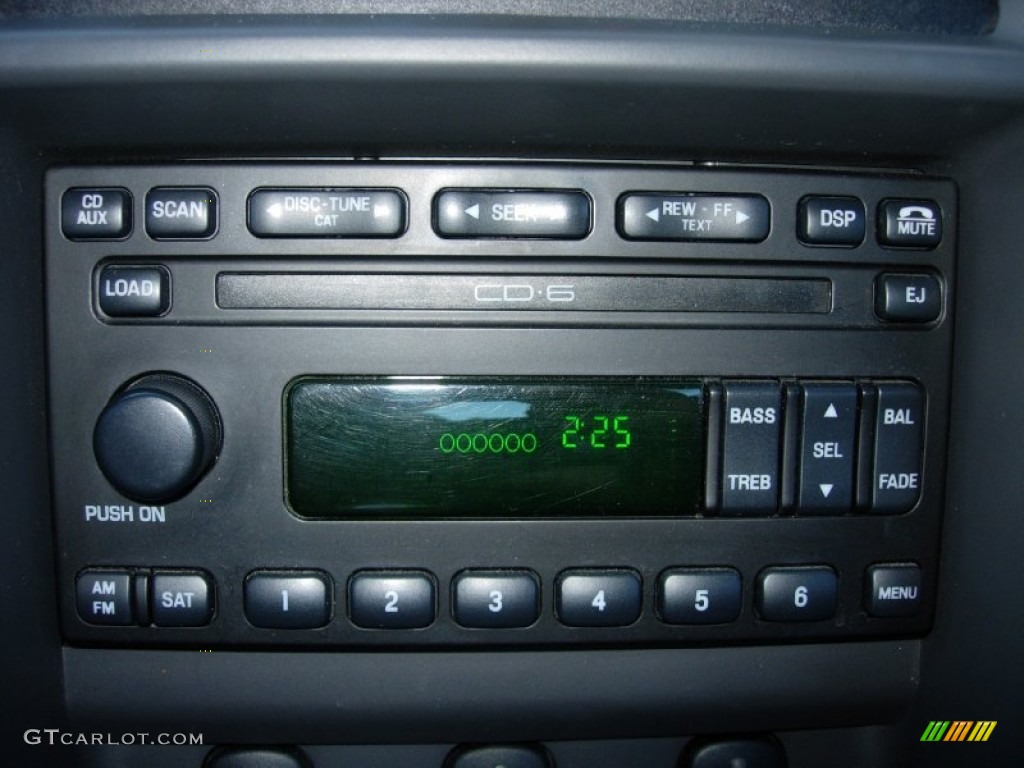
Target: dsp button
[
  {"x": 827, "y": 455},
  {"x": 181, "y": 599},
  {"x": 344, "y": 212},
  {"x": 655, "y": 216},
  {"x": 898, "y": 446},
  {"x": 909, "y": 223},
  {"x": 175, "y": 213},
  {"x": 550, "y": 214},
  {"x": 797, "y": 594},
  {"x": 103, "y": 597},
  {"x": 96, "y": 214},
  {"x": 134, "y": 291},
  {"x": 831, "y": 221},
  {"x": 750, "y": 453}
]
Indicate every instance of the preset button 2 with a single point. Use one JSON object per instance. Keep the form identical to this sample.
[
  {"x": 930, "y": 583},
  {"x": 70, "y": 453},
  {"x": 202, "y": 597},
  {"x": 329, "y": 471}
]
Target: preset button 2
[{"x": 392, "y": 600}]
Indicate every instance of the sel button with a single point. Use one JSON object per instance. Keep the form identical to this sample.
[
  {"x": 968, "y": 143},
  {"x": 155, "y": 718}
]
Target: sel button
[
  {"x": 826, "y": 459},
  {"x": 134, "y": 291}
]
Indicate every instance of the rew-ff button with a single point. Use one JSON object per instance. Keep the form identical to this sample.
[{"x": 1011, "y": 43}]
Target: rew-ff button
[
  {"x": 657, "y": 216},
  {"x": 134, "y": 291}
]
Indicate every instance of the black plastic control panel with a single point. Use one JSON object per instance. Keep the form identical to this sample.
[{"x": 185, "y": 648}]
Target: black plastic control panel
[{"x": 813, "y": 310}]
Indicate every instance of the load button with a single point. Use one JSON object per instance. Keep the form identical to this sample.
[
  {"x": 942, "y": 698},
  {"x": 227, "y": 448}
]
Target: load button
[{"x": 134, "y": 291}]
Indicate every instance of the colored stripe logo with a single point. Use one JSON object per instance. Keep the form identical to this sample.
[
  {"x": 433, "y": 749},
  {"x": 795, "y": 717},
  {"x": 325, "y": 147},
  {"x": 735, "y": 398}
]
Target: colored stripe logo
[{"x": 958, "y": 730}]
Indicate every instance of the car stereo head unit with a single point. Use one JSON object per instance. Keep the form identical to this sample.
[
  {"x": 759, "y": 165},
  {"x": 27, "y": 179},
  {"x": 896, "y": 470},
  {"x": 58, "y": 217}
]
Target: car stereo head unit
[{"x": 372, "y": 404}]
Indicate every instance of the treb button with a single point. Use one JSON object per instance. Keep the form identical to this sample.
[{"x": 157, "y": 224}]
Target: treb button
[
  {"x": 750, "y": 454},
  {"x": 686, "y": 216},
  {"x": 175, "y": 213}
]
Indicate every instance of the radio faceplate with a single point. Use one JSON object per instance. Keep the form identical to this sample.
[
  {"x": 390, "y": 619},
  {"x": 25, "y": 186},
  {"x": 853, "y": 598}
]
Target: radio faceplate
[{"x": 744, "y": 279}]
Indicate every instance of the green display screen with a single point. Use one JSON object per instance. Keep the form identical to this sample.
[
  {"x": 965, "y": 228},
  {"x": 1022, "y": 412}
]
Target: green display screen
[{"x": 492, "y": 448}]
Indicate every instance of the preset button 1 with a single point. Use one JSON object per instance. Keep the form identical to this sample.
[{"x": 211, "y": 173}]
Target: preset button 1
[{"x": 287, "y": 599}]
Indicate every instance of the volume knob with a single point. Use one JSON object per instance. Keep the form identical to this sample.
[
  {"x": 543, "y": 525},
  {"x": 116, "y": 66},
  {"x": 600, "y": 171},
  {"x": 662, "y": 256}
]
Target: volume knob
[{"x": 158, "y": 435}]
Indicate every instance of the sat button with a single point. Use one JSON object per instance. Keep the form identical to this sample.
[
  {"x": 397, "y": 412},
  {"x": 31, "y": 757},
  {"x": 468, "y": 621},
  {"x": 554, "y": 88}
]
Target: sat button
[
  {"x": 134, "y": 291},
  {"x": 173, "y": 213}
]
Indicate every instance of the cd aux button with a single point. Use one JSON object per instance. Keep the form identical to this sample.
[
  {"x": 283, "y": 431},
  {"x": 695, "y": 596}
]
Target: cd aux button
[{"x": 96, "y": 214}]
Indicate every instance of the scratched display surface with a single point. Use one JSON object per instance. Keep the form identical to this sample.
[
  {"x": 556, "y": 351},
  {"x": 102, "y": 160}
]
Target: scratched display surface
[{"x": 436, "y": 448}]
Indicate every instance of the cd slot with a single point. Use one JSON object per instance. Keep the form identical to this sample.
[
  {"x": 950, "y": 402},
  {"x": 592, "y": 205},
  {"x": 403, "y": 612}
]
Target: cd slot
[{"x": 489, "y": 292}]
